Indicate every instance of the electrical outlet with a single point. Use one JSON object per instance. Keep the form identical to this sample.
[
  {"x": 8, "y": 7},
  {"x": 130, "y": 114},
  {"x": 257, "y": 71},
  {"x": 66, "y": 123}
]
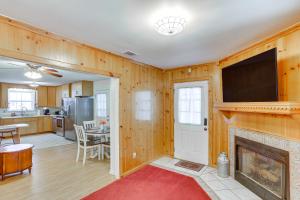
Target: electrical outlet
[{"x": 134, "y": 155}]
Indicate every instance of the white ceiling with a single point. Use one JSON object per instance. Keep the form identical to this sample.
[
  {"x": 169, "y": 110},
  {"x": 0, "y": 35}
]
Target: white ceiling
[
  {"x": 215, "y": 28},
  {"x": 11, "y": 73}
]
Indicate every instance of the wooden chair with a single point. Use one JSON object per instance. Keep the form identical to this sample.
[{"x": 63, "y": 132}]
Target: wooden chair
[{"x": 85, "y": 144}]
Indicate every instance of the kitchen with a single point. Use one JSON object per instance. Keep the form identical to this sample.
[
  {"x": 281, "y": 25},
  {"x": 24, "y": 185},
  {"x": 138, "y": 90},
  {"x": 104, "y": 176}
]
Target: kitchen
[{"x": 41, "y": 102}]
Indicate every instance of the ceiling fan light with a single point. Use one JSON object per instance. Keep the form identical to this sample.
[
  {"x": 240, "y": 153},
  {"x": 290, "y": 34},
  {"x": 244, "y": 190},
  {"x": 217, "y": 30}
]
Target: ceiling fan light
[
  {"x": 33, "y": 75},
  {"x": 34, "y": 85}
]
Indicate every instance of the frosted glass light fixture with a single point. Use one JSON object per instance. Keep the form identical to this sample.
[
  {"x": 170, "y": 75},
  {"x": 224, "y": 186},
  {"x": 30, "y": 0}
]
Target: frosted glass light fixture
[
  {"x": 33, "y": 75},
  {"x": 170, "y": 25},
  {"x": 34, "y": 85}
]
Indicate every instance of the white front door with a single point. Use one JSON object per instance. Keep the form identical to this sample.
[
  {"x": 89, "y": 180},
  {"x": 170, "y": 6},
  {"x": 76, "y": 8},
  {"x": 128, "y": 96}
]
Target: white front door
[{"x": 191, "y": 124}]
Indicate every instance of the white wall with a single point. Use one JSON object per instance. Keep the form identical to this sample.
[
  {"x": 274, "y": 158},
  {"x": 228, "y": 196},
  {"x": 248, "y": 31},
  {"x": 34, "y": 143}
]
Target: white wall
[{"x": 101, "y": 85}]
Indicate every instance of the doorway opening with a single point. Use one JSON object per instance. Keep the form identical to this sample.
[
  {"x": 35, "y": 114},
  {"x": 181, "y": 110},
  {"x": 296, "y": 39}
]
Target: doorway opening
[
  {"x": 50, "y": 100},
  {"x": 191, "y": 121}
]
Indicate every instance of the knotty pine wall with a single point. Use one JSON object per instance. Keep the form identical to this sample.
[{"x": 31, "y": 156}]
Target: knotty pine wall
[
  {"x": 22, "y": 41},
  {"x": 155, "y": 138},
  {"x": 288, "y": 55}
]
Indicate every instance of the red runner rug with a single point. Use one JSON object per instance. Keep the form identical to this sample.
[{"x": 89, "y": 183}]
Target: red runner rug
[{"x": 151, "y": 183}]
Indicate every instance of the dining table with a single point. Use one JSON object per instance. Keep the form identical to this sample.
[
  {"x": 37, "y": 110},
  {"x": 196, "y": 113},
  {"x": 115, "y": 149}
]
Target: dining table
[
  {"x": 13, "y": 129},
  {"x": 98, "y": 132}
]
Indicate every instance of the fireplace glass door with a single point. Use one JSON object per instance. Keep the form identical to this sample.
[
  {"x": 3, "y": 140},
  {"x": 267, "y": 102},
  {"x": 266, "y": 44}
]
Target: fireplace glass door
[{"x": 263, "y": 170}]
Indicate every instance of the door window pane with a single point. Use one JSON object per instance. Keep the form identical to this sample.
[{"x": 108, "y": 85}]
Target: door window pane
[
  {"x": 101, "y": 99},
  {"x": 189, "y": 105}
]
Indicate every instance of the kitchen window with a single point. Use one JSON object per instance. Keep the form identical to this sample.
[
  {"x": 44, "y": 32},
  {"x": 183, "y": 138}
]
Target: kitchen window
[{"x": 21, "y": 99}]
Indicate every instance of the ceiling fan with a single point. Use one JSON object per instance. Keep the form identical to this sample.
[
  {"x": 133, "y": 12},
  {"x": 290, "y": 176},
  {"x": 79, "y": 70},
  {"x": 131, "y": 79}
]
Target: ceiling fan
[
  {"x": 35, "y": 70},
  {"x": 44, "y": 70}
]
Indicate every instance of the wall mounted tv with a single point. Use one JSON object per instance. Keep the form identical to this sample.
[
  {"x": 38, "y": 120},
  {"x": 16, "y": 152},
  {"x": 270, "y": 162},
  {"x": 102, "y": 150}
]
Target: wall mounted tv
[{"x": 252, "y": 80}]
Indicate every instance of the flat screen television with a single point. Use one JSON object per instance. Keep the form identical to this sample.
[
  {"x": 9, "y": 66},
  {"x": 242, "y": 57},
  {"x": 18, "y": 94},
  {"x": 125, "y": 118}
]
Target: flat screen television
[{"x": 252, "y": 80}]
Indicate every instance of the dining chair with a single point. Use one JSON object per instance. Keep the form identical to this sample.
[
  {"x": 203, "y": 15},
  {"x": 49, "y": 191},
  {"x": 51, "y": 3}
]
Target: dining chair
[
  {"x": 85, "y": 144},
  {"x": 89, "y": 124},
  {"x": 92, "y": 124}
]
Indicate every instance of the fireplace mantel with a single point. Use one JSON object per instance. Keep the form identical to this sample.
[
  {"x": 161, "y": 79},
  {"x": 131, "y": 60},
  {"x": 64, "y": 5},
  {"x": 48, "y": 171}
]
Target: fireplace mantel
[{"x": 278, "y": 108}]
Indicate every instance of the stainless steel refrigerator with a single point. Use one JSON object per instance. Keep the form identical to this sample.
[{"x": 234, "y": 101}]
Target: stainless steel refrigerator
[{"x": 76, "y": 110}]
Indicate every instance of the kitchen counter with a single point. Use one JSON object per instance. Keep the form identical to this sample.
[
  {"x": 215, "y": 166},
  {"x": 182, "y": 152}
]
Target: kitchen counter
[
  {"x": 36, "y": 123},
  {"x": 12, "y": 126},
  {"x": 26, "y": 116}
]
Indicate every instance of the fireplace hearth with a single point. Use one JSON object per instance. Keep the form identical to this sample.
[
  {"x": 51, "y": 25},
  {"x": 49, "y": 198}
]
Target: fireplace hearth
[{"x": 262, "y": 168}]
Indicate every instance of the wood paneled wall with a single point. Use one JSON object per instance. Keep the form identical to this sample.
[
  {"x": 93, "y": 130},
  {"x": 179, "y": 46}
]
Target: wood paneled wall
[
  {"x": 21, "y": 41},
  {"x": 151, "y": 139},
  {"x": 288, "y": 59},
  {"x": 288, "y": 55}
]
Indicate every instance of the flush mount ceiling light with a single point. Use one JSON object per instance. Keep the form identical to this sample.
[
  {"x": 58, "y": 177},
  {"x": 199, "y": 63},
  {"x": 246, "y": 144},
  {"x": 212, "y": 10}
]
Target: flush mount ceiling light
[
  {"x": 34, "y": 85},
  {"x": 33, "y": 75},
  {"x": 170, "y": 25},
  {"x": 170, "y": 19}
]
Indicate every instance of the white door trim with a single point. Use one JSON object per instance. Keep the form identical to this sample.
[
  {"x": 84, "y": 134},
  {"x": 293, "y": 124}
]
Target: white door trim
[
  {"x": 190, "y": 127},
  {"x": 114, "y": 128}
]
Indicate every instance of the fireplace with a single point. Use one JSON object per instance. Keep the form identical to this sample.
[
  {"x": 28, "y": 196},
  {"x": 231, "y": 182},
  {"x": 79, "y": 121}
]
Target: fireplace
[{"x": 263, "y": 169}]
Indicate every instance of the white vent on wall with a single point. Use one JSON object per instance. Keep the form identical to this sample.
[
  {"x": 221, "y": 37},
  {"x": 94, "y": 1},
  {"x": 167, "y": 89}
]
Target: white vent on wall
[{"x": 129, "y": 53}]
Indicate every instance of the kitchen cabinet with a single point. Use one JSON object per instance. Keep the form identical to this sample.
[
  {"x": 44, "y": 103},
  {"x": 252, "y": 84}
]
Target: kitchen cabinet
[
  {"x": 42, "y": 92},
  {"x": 38, "y": 124},
  {"x": 82, "y": 88},
  {"x": 1, "y": 98},
  {"x": 47, "y": 124},
  {"x": 62, "y": 91},
  {"x": 65, "y": 90},
  {"x": 32, "y": 125},
  {"x": 51, "y": 96},
  {"x": 46, "y": 96},
  {"x": 58, "y": 96},
  {"x": 76, "y": 89},
  {"x": 44, "y": 124}
]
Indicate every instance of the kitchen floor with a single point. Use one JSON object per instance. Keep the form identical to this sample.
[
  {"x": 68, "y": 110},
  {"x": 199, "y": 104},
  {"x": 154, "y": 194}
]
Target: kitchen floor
[
  {"x": 56, "y": 175},
  {"x": 41, "y": 141},
  {"x": 216, "y": 187}
]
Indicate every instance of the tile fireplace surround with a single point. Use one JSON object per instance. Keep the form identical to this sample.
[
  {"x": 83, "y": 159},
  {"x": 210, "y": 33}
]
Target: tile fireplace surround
[{"x": 292, "y": 147}]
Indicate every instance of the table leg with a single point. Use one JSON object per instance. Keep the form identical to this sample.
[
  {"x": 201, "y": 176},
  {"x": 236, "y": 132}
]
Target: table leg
[
  {"x": 16, "y": 137},
  {"x": 93, "y": 153}
]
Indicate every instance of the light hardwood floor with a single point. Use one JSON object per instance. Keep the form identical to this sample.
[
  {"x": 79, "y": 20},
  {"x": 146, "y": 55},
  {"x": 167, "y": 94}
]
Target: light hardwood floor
[{"x": 56, "y": 176}]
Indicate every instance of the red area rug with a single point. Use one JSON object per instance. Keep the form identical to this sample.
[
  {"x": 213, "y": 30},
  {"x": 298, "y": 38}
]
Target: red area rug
[{"x": 151, "y": 183}]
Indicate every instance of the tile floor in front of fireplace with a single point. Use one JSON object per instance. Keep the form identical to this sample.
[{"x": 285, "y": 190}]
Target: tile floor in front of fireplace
[{"x": 216, "y": 187}]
